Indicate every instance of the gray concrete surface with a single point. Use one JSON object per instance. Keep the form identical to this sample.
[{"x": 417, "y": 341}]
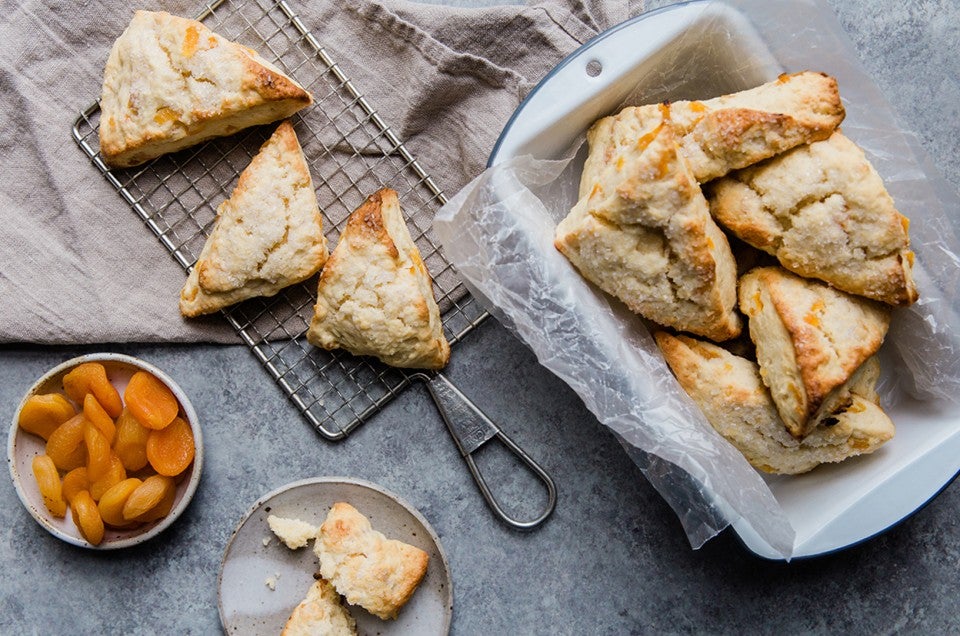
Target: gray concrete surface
[{"x": 612, "y": 560}]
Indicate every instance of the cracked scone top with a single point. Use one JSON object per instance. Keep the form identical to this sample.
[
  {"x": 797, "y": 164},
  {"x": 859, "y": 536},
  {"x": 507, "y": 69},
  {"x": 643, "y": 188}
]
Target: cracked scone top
[
  {"x": 642, "y": 231},
  {"x": 171, "y": 82},
  {"x": 810, "y": 340},
  {"x": 730, "y": 393},
  {"x": 320, "y": 613},
  {"x": 370, "y": 570},
  {"x": 824, "y": 212},
  {"x": 268, "y": 234},
  {"x": 375, "y": 296}
]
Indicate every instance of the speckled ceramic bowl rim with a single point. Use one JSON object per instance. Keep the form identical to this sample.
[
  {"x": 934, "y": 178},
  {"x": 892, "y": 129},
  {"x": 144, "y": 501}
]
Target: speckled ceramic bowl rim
[
  {"x": 355, "y": 482},
  {"x": 182, "y": 503}
]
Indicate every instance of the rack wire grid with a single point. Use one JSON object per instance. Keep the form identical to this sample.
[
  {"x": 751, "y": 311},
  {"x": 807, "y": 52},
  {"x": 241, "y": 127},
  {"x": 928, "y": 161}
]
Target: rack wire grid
[{"x": 351, "y": 153}]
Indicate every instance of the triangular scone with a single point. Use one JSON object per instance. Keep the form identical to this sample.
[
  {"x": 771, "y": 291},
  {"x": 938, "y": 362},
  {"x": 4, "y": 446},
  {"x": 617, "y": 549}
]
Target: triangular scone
[
  {"x": 823, "y": 211},
  {"x": 370, "y": 570},
  {"x": 171, "y": 82},
  {"x": 729, "y": 391},
  {"x": 642, "y": 230},
  {"x": 736, "y": 130},
  {"x": 268, "y": 234},
  {"x": 321, "y": 613},
  {"x": 810, "y": 338},
  {"x": 375, "y": 296}
]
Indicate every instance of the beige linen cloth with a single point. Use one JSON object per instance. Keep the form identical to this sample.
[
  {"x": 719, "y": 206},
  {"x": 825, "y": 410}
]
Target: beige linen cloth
[{"x": 79, "y": 266}]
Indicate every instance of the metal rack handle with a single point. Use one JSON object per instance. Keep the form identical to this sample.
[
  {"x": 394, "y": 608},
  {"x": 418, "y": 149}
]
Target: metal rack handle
[{"x": 471, "y": 429}]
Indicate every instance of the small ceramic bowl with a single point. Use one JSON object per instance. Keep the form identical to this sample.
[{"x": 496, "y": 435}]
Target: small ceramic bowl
[{"x": 22, "y": 447}]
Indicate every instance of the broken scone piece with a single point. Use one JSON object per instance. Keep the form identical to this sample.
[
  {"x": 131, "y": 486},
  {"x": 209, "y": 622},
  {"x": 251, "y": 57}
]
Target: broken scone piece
[
  {"x": 321, "y": 613},
  {"x": 642, "y": 230},
  {"x": 729, "y": 391},
  {"x": 294, "y": 533},
  {"x": 376, "y": 573},
  {"x": 268, "y": 234},
  {"x": 824, "y": 212},
  {"x": 375, "y": 296},
  {"x": 810, "y": 339},
  {"x": 171, "y": 82}
]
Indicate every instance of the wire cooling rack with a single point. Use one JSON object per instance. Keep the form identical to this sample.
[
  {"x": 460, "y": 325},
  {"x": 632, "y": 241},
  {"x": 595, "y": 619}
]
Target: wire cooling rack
[{"x": 352, "y": 153}]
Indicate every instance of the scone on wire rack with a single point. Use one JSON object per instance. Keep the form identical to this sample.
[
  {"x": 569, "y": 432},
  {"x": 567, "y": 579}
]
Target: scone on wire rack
[
  {"x": 642, "y": 230},
  {"x": 824, "y": 212},
  {"x": 810, "y": 339},
  {"x": 730, "y": 393},
  {"x": 375, "y": 296},
  {"x": 268, "y": 235},
  {"x": 370, "y": 570},
  {"x": 171, "y": 82},
  {"x": 320, "y": 613}
]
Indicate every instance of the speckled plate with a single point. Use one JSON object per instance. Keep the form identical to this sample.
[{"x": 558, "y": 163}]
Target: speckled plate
[{"x": 261, "y": 580}]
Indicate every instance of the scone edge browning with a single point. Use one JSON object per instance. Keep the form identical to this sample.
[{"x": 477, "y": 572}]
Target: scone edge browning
[
  {"x": 368, "y": 569},
  {"x": 170, "y": 83},
  {"x": 268, "y": 234}
]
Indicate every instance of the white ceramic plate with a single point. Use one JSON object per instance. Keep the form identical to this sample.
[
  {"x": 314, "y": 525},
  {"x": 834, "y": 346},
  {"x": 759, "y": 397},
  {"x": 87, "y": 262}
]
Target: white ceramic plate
[
  {"x": 23, "y": 447},
  {"x": 698, "y": 50},
  {"x": 261, "y": 580}
]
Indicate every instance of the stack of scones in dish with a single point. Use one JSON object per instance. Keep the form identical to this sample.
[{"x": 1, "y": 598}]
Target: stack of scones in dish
[
  {"x": 822, "y": 255},
  {"x": 171, "y": 83}
]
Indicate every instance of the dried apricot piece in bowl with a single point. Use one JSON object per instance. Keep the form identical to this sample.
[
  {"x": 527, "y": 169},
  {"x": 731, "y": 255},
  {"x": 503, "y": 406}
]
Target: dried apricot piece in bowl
[
  {"x": 112, "y": 502},
  {"x": 48, "y": 479},
  {"x": 147, "y": 496},
  {"x": 114, "y": 475},
  {"x": 130, "y": 443},
  {"x": 98, "y": 452},
  {"x": 65, "y": 446},
  {"x": 91, "y": 377},
  {"x": 171, "y": 449},
  {"x": 98, "y": 416},
  {"x": 87, "y": 517},
  {"x": 150, "y": 400},
  {"x": 42, "y": 414},
  {"x": 75, "y": 481}
]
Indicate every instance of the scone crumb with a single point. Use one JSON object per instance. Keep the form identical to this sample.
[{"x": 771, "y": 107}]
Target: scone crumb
[
  {"x": 271, "y": 582},
  {"x": 266, "y": 541}
]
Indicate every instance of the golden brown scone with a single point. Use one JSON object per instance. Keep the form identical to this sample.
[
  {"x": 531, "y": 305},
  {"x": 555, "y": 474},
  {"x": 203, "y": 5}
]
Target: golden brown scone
[
  {"x": 729, "y": 391},
  {"x": 737, "y": 130},
  {"x": 171, "y": 82},
  {"x": 642, "y": 231},
  {"x": 823, "y": 211},
  {"x": 321, "y": 613},
  {"x": 268, "y": 234},
  {"x": 810, "y": 338},
  {"x": 375, "y": 296},
  {"x": 378, "y": 574}
]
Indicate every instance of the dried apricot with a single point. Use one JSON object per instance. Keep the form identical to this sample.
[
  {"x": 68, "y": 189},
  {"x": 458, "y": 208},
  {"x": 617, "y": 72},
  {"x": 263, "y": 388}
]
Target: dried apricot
[
  {"x": 162, "y": 509},
  {"x": 98, "y": 452},
  {"x": 112, "y": 502},
  {"x": 42, "y": 414},
  {"x": 171, "y": 449},
  {"x": 114, "y": 475},
  {"x": 91, "y": 377},
  {"x": 87, "y": 517},
  {"x": 150, "y": 400},
  {"x": 130, "y": 442},
  {"x": 75, "y": 481},
  {"x": 96, "y": 415},
  {"x": 147, "y": 496},
  {"x": 65, "y": 446},
  {"x": 48, "y": 479}
]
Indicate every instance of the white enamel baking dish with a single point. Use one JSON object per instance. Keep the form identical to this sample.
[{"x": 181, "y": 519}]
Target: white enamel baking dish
[{"x": 835, "y": 506}]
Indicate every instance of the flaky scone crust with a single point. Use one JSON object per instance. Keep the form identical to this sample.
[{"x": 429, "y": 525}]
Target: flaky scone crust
[
  {"x": 171, "y": 82},
  {"x": 375, "y": 296}
]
